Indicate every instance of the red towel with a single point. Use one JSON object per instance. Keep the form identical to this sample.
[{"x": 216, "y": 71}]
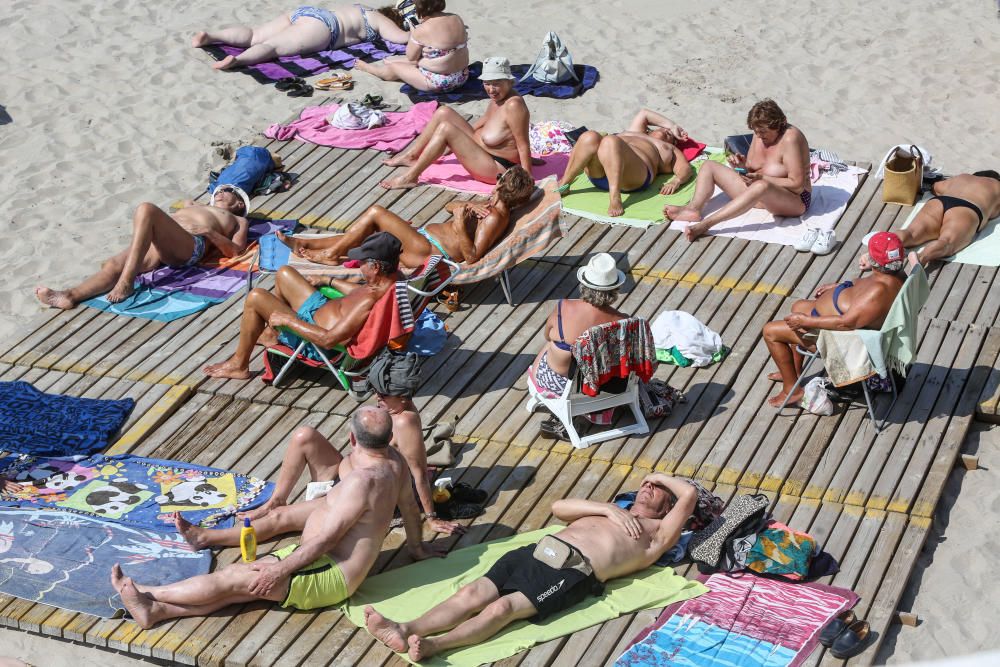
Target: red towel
[
  {"x": 691, "y": 148},
  {"x": 384, "y": 324}
]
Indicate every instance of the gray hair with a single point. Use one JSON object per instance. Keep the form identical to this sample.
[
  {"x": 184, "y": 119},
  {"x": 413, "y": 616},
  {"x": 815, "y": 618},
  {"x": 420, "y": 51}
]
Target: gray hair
[
  {"x": 372, "y": 427},
  {"x": 891, "y": 267},
  {"x": 598, "y": 298}
]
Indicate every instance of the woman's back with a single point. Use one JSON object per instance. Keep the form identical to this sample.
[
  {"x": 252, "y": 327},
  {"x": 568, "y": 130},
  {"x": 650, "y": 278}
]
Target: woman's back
[{"x": 443, "y": 39}]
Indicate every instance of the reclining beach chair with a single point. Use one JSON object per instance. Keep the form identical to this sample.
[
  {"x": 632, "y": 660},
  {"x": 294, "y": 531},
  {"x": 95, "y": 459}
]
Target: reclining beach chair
[
  {"x": 855, "y": 356},
  {"x": 391, "y": 323},
  {"x": 617, "y": 350}
]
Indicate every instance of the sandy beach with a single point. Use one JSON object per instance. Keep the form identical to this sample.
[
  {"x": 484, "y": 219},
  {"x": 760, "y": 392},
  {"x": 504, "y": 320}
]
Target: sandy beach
[{"x": 106, "y": 105}]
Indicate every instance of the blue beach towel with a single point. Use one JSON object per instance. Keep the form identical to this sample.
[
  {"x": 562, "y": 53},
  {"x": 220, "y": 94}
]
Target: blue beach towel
[
  {"x": 40, "y": 424},
  {"x": 132, "y": 490},
  {"x": 472, "y": 89},
  {"x": 65, "y": 560}
]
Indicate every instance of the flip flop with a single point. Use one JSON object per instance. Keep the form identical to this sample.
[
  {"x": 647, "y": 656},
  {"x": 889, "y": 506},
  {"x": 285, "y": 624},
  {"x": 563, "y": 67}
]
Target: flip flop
[
  {"x": 289, "y": 82},
  {"x": 301, "y": 90},
  {"x": 373, "y": 101},
  {"x": 334, "y": 85},
  {"x": 333, "y": 79}
]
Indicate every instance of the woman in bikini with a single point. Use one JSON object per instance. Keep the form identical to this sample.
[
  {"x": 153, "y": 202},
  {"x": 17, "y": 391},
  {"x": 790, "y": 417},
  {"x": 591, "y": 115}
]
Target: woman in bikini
[
  {"x": 486, "y": 148},
  {"x": 437, "y": 53},
  {"x": 472, "y": 232},
  {"x": 305, "y": 30},
  {"x": 774, "y": 175}
]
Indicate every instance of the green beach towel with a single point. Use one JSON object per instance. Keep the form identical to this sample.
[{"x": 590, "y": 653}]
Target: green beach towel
[
  {"x": 641, "y": 208},
  {"x": 408, "y": 592},
  {"x": 984, "y": 249}
]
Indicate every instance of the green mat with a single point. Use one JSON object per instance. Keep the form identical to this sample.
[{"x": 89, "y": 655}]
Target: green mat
[
  {"x": 408, "y": 592},
  {"x": 984, "y": 249},
  {"x": 641, "y": 208}
]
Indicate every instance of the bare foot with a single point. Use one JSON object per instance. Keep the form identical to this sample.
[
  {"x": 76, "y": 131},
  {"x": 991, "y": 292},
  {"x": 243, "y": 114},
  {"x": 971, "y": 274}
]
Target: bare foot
[
  {"x": 137, "y": 604},
  {"x": 691, "y": 232},
  {"x": 200, "y": 39},
  {"x": 398, "y": 183},
  {"x": 421, "y": 648},
  {"x": 289, "y": 241},
  {"x": 779, "y": 398},
  {"x": 263, "y": 510},
  {"x": 226, "y": 63},
  {"x": 120, "y": 292},
  {"x": 913, "y": 260},
  {"x": 117, "y": 577},
  {"x": 399, "y": 160},
  {"x": 682, "y": 213},
  {"x": 192, "y": 534},
  {"x": 54, "y": 299},
  {"x": 227, "y": 369},
  {"x": 774, "y": 377},
  {"x": 616, "y": 208},
  {"x": 318, "y": 256},
  {"x": 386, "y": 631}
]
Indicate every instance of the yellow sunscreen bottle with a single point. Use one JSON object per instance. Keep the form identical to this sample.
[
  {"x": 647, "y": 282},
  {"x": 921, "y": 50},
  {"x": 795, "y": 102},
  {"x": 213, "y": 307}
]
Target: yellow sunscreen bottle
[
  {"x": 441, "y": 492},
  {"x": 248, "y": 541}
]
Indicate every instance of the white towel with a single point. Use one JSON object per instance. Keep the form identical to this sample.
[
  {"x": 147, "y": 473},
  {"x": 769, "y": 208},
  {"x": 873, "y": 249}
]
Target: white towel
[{"x": 675, "y": 328}]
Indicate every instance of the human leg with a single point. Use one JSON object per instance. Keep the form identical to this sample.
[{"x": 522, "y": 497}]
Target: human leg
[
  {"x": 152, "y": 229},
  {"x": 279, "y": 520},
  {"x": 257, "y": 308},
  {"x": 242, "y": 35},
  {"x": 803, "y": 306},
  {"x": 492, "y": 619},
  {"x": 333, "y": 250},
  {"x": 479, "y": 163},
  {"x": 623, "y": 168},
  {"x": 710, "y": 174},
  {"x": 781, "y": 341},
  {"x": 583, "y": 156},
  {"x": 397, "y": 69},
  {"x": 926, "y": 225},
  {"x": 306, "y": 35},
  {"x": 98, "y": 283},
  {"x": 443, "y": 115},
  {"x": 291, "y": 287}
]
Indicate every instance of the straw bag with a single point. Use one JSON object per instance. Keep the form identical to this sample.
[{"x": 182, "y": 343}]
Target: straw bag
[{"x": 903, "y": 173}]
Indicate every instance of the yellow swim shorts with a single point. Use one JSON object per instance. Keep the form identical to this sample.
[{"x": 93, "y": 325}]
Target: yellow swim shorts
[{"x": 319, "y": 584}]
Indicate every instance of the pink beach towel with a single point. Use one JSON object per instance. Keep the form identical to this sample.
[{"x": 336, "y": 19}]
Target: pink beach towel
[
  {"x": 449, "y": 173},
  {"x": 401, "y": 128}
]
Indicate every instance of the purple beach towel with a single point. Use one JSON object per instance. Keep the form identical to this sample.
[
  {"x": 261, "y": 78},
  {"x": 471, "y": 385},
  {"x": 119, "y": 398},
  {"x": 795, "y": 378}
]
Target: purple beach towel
[
  {"x": 473, "y": 88},
  {"x": 309, "y": 64}
]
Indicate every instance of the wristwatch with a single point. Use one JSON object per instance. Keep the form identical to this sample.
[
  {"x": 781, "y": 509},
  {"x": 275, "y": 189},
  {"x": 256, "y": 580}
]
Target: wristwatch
[{"x": 431, "y": 515}]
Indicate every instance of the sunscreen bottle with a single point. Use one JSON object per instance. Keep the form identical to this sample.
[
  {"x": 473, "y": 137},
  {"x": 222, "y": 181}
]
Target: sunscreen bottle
[
  {"x": 441, "y": 492},
  {"x": 248, "y": 541}
]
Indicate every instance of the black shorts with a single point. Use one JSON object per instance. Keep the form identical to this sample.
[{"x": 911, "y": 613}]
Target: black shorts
[{"x": 549, "y": 590}]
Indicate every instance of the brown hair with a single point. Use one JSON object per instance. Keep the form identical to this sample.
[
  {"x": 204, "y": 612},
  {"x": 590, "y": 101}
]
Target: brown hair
[
  {"x": 428, "y": 7},
  {"x": 767, "y": 113},
  {"x": 514, "y": 187},
  {"x": 393, "y": 15},
  {"x": 598, "y": 298}
]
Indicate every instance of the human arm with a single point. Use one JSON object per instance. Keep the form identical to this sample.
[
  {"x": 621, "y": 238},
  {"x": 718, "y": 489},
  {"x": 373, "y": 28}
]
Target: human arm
[
  {"x": 231, "y": 246},
  {"x": 683, "y": 171},
  {"x": 489, "y": 229},
  {"x": 823, "y": 289},
  {"x": 795, "y": 157},
  {"x": 518, "y": 120},
  {"x": 866, "y": 308},
  {"x": 646, "y": 118},
  {"x": 412, "y": 526},
  {"x": 414, "y": 49},
  {"x": 354, "y": 314},
  {"x": 685, "y": 498},
  {"x": 571, "y": 509}
]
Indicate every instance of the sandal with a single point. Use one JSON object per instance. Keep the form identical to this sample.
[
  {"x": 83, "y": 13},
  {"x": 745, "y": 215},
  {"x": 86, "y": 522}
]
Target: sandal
[
  {"x": 337, "y": 78},
  {"x": 300, "y": 90},
  {"x": 335, "y": 85},
  {"x": 450, "y": 300},
  {"x": 373, "y": 101},
  {"x": 289, "y": 82}
]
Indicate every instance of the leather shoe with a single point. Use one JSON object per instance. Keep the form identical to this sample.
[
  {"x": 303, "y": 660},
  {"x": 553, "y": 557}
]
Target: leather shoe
[
  {"x": 851, "y": 641},
  {"x": 833, "y": 629}
]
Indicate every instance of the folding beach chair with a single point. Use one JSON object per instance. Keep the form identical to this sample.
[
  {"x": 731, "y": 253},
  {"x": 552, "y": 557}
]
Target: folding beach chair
[
  {"x": 612, "y": 342},
  {"x": 855, "y": 356},
  {"x": 412, "y": 296}
]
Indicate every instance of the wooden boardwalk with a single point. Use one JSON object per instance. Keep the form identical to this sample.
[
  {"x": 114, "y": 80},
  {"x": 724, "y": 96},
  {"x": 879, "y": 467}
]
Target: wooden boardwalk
[{"x": 868, "y": 498}]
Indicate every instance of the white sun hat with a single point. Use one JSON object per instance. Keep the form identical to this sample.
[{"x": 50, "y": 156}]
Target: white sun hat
[{"x": 601, "y": 273}]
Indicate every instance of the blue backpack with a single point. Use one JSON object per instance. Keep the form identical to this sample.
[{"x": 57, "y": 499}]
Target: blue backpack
[{"x": 250, "y": 167}]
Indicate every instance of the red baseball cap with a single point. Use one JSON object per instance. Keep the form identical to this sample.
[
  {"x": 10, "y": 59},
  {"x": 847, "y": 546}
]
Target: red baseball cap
[{"x": 885, "y": 248}]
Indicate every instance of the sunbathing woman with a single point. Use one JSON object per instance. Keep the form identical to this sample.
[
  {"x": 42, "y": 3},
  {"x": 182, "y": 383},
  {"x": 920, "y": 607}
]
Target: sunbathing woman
[
  {"x": 472, "y": 232},
  {"x": 437, "y": 54},
  {"x": 774, "y": 176},
  {"x": 486, "y": 148},
  {"x": 305, "y": 30}
]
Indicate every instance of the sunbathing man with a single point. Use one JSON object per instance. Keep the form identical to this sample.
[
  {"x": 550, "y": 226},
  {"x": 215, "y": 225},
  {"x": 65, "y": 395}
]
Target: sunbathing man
[
  {"x": 845, "y": 306},
  {"x": 297, "y": 305},
  {"x": 472, "y": 232},
  {"x": 340, "y": 541},
  {"x": 612, "y": 542},
  {"x": 629, "y": 161},
  {"x": 950, "y": 220},
  {"x": 309, "y": 449},
  {"x": 774, "y": 176},
  {"x": 160, "y": 239}
]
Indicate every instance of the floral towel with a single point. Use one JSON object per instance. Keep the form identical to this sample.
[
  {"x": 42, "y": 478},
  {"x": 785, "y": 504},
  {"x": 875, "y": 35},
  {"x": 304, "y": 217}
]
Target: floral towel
[
  {"x": 549, "y": 136},
  {"x": 132, "y": 490},
  {"x": 614, "y": 350}
]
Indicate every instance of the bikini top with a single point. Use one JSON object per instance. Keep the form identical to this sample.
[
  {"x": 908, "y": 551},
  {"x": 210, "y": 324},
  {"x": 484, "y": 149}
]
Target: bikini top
[
  {"x": 432, "y": 53},
  {"x": 561, "y": 343}
]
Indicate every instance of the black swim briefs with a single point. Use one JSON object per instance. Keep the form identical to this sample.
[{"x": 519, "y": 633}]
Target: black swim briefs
[{"x": 549, "y": 590}]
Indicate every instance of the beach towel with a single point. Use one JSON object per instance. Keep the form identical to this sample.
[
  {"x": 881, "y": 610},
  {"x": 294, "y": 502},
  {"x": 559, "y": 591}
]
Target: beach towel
[
  {"x": 472, "y": 89},
  {"x": 614, "y": 350},
  {"x": 132, "y": 490},
  {"x": 407, "y": 592},
  {"x": 308, "y": 64},
  {"x": 448, "y": 172},
  {"x": 399, "y": 130},
  {"x": 642, "y": 209},
  {"x": 984, "y": 249},
  {"x": 746, "y": 621},
  {"x": 169, "y": 293},
  {"x": 830, "y": 196},
  {"x": 65, "y": 560},
  {"x": 40, "y": 424},
  {"x": 850, "y": 356}
]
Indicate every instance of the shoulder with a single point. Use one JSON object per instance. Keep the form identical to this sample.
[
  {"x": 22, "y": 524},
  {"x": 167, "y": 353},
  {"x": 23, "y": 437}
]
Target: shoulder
[{"x": 794, "y": 137}]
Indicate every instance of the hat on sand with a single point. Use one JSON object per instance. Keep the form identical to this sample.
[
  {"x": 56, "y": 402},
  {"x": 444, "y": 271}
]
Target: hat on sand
[
  {"x": 885, "y": 249},
  {"x": 601, "y": 273},
  {"x": 382, "y": 246},
  {"x": 235, "y": 190},
  {"x": 495, "y": 69}
]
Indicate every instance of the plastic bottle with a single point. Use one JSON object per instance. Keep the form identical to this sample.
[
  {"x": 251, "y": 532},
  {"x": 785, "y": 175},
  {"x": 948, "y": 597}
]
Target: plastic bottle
[
  {"x": 248, "y": 541},
  {"x": 441, "y": 492}
]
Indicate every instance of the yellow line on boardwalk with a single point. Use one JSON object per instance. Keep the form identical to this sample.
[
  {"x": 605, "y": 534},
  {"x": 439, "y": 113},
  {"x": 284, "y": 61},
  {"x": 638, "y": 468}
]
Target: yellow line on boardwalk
[
  {"x": 642, "y": 273},
  {"x": 156, "y": 415}
]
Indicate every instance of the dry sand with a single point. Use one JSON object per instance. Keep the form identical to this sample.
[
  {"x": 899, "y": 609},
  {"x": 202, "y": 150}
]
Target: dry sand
[{"x": 105, "y": 105}]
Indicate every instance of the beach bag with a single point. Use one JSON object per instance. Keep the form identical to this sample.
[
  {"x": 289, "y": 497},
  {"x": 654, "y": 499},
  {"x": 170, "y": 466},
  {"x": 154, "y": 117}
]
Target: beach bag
[
  {"x": 429, "y": 335},
  {"x": 657, "y": 398},
  {"x": 815, "y": 399},
  {"x": 395, "y": 374},
  {"x": 553, "y": 63},
  {"x": 723, "y": 544},
  {"x": 904, "y": 171},
  {"x": 782, "y": 553},
  {"x": 251, "y": 165}
]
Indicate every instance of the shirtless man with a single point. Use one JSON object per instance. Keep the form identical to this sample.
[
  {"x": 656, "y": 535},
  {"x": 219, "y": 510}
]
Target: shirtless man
[
  {"x": 613, "y": 543},
  {"x": 630, "y": 160},
  {"x": 297, "y": 305},
  {"x": 159, "y": 239},
  {"x": 486, "y": 148},
  {"x": 309, "y": 449},
  {"x": 845, "y": 306},
  {"x": 472, "y": 232},
  {"x": 950, "y": 220},
  {"x": 774, "y": 176},
  {"x": 340, "y": 542}
]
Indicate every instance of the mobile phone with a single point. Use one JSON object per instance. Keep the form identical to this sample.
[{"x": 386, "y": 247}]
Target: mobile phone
[{"x": 739, "y": 170}]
